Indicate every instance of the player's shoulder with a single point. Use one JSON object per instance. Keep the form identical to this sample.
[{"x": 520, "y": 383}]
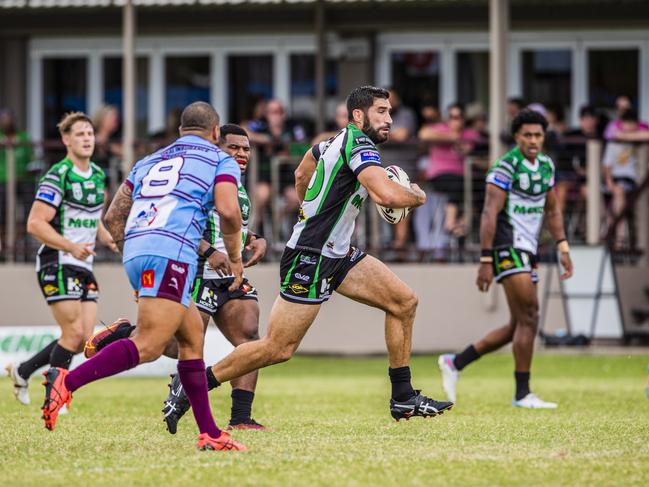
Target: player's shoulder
[
  {"x": 97, "y": 170},
  {"x": 545, "y": 160},
  {"x": 56, "y": 174},
  {"x": 357, "y": 139}
]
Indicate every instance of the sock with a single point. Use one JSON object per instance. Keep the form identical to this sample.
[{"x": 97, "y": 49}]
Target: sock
[
  {"x": 115, "y": 358},
  {"x": 401, "y": 388},
  {"x": 28, "y": 367},
  {"x": 61, "y": 357},
  {"x": 241, "y": 405},
  {"x": 522, "y": 384},
  {"x": 212, "y": 382},
  {"x": 462, "y": 359},
  {"x": 192, "y": 377}
]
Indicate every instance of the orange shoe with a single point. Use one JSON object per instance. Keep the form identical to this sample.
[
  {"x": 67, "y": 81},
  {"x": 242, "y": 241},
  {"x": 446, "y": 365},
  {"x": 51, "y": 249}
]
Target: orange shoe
[
  {"x": 56, "y": 395},
  {"x": 121, "y": 328},
  {"x": 222, "y": 443}
]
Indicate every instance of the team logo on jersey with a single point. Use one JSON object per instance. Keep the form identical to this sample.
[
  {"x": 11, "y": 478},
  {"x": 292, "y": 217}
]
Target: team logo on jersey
[
  {"x": 77, "y": 192},
  {"x": 147, "y": 279},
  {"x": 146, "y": 217},
  {"x": 298, "y": 288},
  {"x": 92, "y": 199},
  {"x": 89, "y": 184}
]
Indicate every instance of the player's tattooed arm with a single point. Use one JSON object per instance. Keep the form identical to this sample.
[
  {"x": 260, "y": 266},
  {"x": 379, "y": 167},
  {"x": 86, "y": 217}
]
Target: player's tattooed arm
[
  {"x": 117, "y": 214},
  {"x": 303, "y": 174}
]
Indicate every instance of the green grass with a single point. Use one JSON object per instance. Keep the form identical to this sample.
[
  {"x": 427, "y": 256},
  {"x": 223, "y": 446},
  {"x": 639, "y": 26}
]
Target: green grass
[{"x": 332, "y": 427}]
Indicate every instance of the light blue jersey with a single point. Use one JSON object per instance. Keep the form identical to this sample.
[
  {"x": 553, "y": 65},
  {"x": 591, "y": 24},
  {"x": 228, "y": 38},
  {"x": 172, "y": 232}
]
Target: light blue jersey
[{"x": 173, "y": 192}]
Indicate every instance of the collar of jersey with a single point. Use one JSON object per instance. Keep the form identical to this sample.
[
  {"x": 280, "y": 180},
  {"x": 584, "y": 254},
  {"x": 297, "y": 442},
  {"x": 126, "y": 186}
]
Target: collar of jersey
[
  {"x": 530, "y": 166},
  {"x": 78, "y": 171},
  {"x": 196, "y": 139}
]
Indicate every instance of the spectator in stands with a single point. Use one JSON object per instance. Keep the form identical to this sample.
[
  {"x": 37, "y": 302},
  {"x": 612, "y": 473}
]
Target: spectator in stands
[
  {"x": 571, "y": 162},
  {"x": 622, "y": 104},
  {"x": 403, "y": 130},
  {"x": 620, "y": 171},
  {"x": 450, "y": 142},
  {"x": 341, "y": 121},
  {"x": 513, "y": 107},
  {"x": 11, "y": 136},
  {"x": 275, "y": 136},
  {"x": 108, "y": 145}
]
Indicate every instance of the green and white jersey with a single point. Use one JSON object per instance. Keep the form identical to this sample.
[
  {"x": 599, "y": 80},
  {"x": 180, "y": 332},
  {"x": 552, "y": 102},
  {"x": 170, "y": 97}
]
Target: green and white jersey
[
  {"x": 526, "y": 184},
  {"x": 334, "y": 197},
  {"x": 78, "y": 198},
  {"x": 214, "y": 236}
]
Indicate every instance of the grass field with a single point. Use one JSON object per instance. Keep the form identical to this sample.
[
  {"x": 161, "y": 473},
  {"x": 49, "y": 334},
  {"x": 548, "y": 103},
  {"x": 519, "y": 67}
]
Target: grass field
[{"x": 332, "y": 427}]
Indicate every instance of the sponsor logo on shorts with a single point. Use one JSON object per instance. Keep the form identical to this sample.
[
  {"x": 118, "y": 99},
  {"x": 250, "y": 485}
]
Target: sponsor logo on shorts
[
  {"x": 74, "y": 286},
  {"x": 173, "y": 282},
  {"x": 302, "y": 277},
  {"x": 49, "y": 277},
  {"x": 207, "y": 299},
  {"x": 177, "y": 268},
  {"x": 46, "y": 194},
  {"x": 298, "y": 288},
  {"x": 503, "y": 253},
  {"x": 50, "y": 290},
  {"x": 355, "y": 254},
  {"x": 330, "y": 244},
  {"x": 506, "y": 264},
  {"x": 307, "y": 259},
  {"x": 148, "y": 278}
]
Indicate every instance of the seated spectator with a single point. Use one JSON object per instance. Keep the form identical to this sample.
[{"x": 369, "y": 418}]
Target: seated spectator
[
  {"x": 571, "y": 162},
  {"x": 341, "y": 120},
  {"x": 620, "y": 171},
  {"x": 275, "y": 135},
  {"x": 450, "y": 143},
  {"x": 622, "y": 104}
]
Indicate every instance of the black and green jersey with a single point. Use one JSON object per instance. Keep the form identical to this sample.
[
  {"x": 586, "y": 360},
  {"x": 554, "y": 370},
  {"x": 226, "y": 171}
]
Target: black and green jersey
[
  {"x": 78, "y": 198},
  {"x": 334, "y": 196},
  {"x": 526, "y": 184},
  {"x": 213, "y": 234}
]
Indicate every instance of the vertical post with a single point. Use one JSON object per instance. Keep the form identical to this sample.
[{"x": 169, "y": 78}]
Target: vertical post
[
  {"x": 642, "y": 204},
  {"x": 498, "y": 36},
  {"x": 593, "y": 200},
  {"x": 128, "y": 84},
  {"x": 468, "y": 195},
  {"x": 320, "y": 65},
  {"x": 10, "y": 217}
]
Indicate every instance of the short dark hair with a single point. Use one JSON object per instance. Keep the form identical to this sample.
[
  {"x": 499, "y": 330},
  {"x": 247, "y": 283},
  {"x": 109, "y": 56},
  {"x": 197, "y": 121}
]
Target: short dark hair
[
  {"x": 629, "y": 115},
  {"x": 69, "y": 119},
  {"x": 199, "y": 116},
  {"x": 362, "y": 98},
  {"x": 232, "y": 129},
  {"x": 587, "y": 111},
  {"x": 457, "y": 105},
  {"x": 515, "y": 100},
  {"x": 527, "y": 116}
]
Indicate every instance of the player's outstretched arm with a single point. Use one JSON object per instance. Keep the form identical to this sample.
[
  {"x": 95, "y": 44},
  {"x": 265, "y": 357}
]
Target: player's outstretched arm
[
  {"x": 554, "y": 220},
  {"x": 387, "y": 193},
  {"x": 494, "y": 202},
  {"x": 303, "y": 174},
  {"x": 117, "y": 214},
  {"x": 39, "y": 227},
  {"x": 226, "y": 202}
]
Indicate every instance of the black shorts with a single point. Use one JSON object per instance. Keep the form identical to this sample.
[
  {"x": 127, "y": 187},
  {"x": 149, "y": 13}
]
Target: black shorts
[
  {"x": 210, "y": 295},
  {"x": 508, "y": 261},
  {"x": 309, "y": 278},
  {"x": 67, "y": 282}
]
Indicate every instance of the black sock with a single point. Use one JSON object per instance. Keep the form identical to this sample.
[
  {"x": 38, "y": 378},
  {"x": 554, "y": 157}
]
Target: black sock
[
  {"x": 28, "y": 367},
  {"x": 241, "y": 405},
  {"x": 212, "y": 383},
  {"x": 462, "y": 359},
  {"x": 522, "y": 384},
  {"x": 401, "y": 387},
  {"x": 61, "y": 357}
]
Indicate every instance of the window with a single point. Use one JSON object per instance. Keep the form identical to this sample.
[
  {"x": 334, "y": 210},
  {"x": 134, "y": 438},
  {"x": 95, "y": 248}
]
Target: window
[
  {"x": 250, "y": 79},
  {"x": 612, "y": 73},
  {"x": 303, "y": 103},
  {"x": 415, "y": 77},
  {"x": 473, "y": 79},
  {"x": 113, "y": 89},
  {"x": 187, "y": 81},
  {"x": 64, "y": 82},
  {"x": 547, "y": 78}
]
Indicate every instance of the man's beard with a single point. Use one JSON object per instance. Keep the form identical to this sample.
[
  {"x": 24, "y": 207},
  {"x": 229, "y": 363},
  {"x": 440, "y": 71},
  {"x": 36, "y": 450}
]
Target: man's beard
[{"x": 372, "y": 133}]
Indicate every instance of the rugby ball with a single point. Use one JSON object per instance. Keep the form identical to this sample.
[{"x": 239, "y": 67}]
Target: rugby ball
[{"x": 395, "y": 215}]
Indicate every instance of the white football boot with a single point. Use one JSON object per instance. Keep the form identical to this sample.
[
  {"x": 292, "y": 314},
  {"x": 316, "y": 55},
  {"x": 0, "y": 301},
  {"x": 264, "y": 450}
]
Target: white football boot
[
  {"x": 532, "y": 402},
  {"x": 20, "y": 385},
  {"x": 450, "y": 375}
]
